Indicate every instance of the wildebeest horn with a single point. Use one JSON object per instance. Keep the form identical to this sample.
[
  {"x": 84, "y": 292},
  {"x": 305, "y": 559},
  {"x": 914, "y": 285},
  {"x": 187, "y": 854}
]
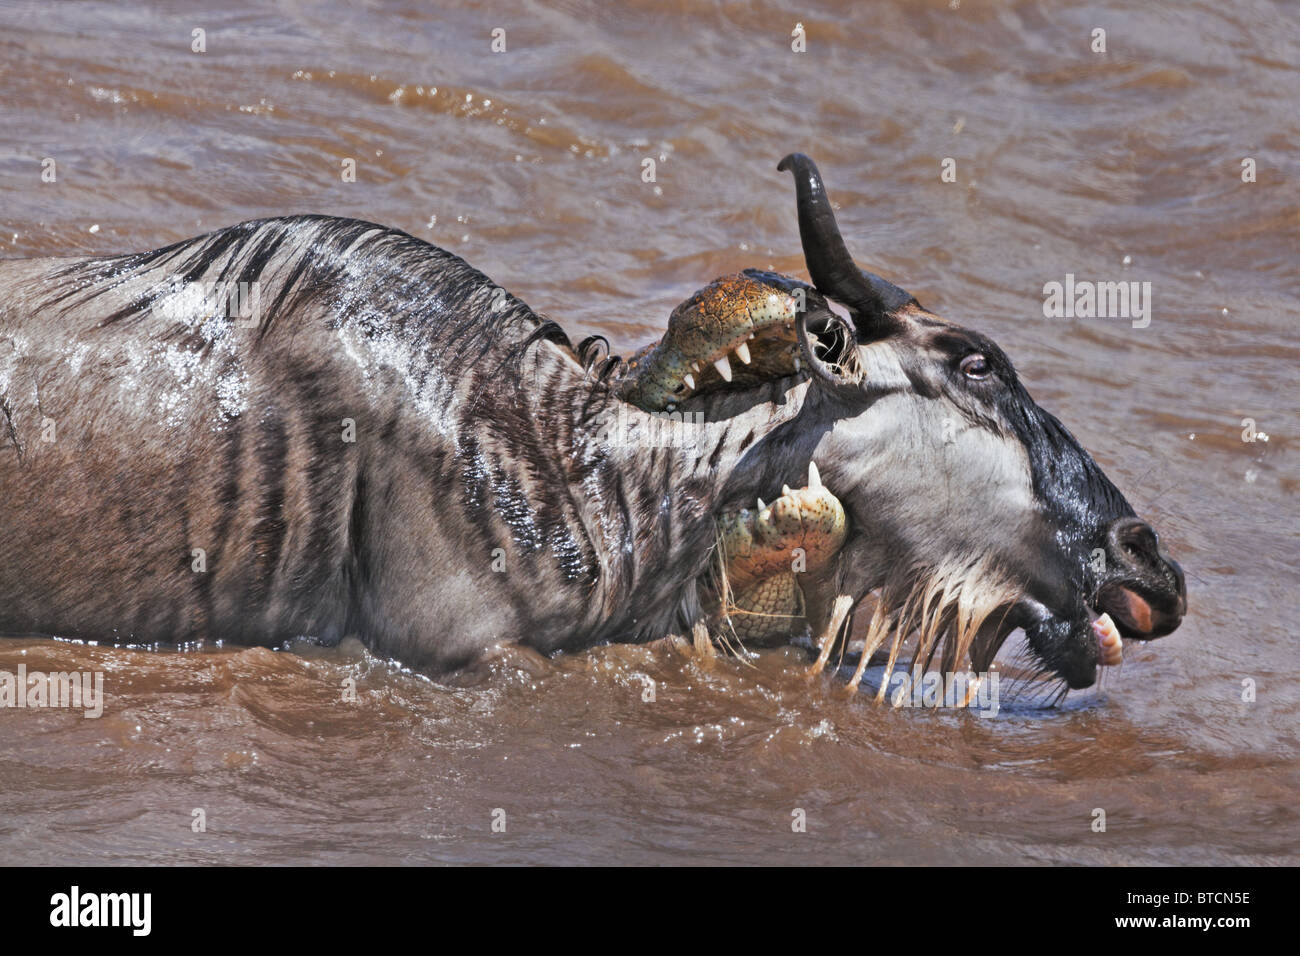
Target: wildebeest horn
[{"x": 829, "y": 263}]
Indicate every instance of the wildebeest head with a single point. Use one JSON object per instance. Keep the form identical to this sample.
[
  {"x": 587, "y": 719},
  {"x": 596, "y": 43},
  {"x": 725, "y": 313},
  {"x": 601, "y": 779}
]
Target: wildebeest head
[{"x": 988, "y": 510}]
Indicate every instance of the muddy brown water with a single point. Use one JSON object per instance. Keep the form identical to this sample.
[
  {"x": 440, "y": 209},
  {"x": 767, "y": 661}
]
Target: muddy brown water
[{"x": 1125, "y": 165}]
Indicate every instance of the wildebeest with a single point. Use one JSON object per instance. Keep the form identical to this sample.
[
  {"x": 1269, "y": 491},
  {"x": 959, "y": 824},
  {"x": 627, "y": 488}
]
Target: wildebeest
[{"x": 320, "y": 426}]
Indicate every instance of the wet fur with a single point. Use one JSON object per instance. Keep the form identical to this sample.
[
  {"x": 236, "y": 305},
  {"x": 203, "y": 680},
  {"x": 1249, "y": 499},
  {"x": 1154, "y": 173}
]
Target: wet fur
[
  {"x": 476, "y": 431},
  {"x": 481, "y": 439}
]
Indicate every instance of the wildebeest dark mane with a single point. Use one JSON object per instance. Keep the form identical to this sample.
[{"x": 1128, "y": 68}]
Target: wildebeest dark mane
[{"x": 380, "y": 279}]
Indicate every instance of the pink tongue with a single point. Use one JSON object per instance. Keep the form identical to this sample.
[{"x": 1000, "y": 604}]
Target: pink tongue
[{"x": 1139, "y": 611}]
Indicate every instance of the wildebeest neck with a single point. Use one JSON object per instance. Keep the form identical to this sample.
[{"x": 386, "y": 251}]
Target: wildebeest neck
[{"x": 704, "y": 460}]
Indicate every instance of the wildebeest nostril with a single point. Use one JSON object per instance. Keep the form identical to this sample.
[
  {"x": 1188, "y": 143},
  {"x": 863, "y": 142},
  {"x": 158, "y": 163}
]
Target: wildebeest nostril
[
  {"x": 1145, "y": 591},
  {"x": 1134, "y": 542}
]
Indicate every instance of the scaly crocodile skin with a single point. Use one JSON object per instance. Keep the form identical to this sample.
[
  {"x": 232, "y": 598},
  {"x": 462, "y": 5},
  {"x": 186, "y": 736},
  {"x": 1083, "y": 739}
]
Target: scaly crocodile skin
[
  {"x": 737, "y": 329},
  {"x": 766, "y": 548}
]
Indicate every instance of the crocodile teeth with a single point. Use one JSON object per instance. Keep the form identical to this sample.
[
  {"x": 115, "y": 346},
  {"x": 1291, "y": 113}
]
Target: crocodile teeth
[
  {"x": 689, "y": 380},
  {"x": 761, "y": 506},
  {"x": 796, "y": 363},
  {"x": 742, "y": 352},
  {"x": 814, "y": 478},
  {"x": 785, "y": 491},
  {"x": 723, "y": 367}
]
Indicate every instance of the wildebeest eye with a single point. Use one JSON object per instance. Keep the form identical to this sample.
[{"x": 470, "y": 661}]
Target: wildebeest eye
[{"x": 975, "y": 366}]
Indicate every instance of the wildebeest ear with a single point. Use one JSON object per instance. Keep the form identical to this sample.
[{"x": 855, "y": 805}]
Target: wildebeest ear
[
  {"x": 828, "y": 345},
  {"x": 826, "y": 331}
]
